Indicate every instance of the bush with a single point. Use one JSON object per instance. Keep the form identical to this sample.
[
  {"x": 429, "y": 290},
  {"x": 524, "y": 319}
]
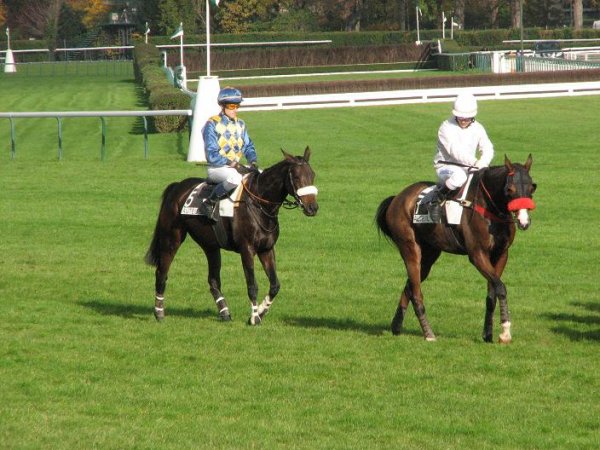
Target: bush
[{"x": 161, "y": 95}]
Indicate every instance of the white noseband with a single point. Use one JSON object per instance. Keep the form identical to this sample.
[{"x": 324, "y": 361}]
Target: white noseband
[{"x": 307, "y": 190}]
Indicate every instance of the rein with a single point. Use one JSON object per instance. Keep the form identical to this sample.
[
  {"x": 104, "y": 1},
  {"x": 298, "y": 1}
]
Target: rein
[
  {"x": 287, "y": 204},
  {"x": 513, "y": 205},
  {"x": 488, "y": 214}
]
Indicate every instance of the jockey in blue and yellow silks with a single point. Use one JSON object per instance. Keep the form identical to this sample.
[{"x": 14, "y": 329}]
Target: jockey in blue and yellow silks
[{"x": 226, "y": 141}]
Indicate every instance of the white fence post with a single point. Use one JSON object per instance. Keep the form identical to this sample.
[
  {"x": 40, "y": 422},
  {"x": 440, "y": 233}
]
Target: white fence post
[{"x": 204, "y": 106}]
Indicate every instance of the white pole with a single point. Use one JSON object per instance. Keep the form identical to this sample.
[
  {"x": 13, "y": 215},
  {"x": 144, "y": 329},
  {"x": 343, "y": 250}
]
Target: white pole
[
  {"x": 443, "y": 25},
  {"x": 9, "y": 59},
  {"x": 181, "y": 46},
  {"x": 417, "y": 11},
  {"x": 452, "y": 27},
  {"x": 207, "y": 39}
]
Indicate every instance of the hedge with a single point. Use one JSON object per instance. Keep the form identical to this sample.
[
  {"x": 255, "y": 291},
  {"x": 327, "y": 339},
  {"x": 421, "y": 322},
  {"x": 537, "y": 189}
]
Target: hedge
[{"x": 161, "y": 95}]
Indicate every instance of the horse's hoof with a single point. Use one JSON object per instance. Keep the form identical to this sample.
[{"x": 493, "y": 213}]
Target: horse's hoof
[
  {"x": 430, "y": 338},
  {"x": 488, "y": 338},
  {"x": 159, "y": 316},
  {"x": 502, "y": 340},
  {"x": 254, "y": 320},
  {"x": 225, "y": 317}
]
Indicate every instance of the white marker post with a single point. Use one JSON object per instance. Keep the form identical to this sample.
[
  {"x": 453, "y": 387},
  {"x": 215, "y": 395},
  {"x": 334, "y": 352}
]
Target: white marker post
[{"x": 9, "y": 61}]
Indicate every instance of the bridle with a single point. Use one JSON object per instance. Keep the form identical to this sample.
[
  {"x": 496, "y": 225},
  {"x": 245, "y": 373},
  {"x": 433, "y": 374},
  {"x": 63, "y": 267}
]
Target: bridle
[
  {"x": 522, "y": 201},
  {"x": 297, "y": 193}
]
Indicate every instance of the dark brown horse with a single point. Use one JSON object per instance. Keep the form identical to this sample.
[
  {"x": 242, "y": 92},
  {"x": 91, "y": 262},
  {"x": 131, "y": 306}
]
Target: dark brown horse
[
  {"x": 253, "y": 230},
  {"x": 485, "y": 232}
]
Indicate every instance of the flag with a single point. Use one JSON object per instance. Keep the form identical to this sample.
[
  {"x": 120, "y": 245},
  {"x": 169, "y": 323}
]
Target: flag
[
  {"x": 215, "y": 2},
  {"x": 419, "y": 11},
  {"x": 454, "y": 24},
  {"x": 147, "y": 29},
  {"x": 178, "y": 32}
]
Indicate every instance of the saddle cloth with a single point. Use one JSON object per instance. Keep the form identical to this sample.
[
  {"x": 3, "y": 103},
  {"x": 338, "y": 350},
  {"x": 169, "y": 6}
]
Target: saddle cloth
[
  {"x": 453, "y": 208},
  {"x": 191, "y": 206}
]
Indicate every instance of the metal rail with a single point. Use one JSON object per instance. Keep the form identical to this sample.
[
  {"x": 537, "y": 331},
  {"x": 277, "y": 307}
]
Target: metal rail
[{"x": 59, "y": 115}]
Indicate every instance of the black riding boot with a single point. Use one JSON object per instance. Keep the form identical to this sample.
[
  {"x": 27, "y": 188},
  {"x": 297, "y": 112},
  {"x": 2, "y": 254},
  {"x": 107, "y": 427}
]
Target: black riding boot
[
  {"x": 209, "y": 204},
  {"x": 435, "y": 206}
]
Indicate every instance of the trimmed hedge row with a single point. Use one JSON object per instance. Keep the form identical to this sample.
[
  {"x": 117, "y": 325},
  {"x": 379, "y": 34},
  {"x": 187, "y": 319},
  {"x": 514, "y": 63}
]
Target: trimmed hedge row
[
  {"x": 270, "y": 58},
  {"x": 323, "y": 87},
  {"x": 160, "y": 93}
]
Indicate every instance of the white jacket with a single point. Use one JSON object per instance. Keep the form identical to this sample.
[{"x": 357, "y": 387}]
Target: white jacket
[{"x": 463, "y": 145}]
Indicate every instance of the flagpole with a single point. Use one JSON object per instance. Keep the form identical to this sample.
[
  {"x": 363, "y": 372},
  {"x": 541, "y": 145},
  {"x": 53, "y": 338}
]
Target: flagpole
[
  {"x": 443, "y": 25},
  {"x": 207, "y": 38},
  {"x": 181, "y": 45},
  {"x": 417, "y": 11}
]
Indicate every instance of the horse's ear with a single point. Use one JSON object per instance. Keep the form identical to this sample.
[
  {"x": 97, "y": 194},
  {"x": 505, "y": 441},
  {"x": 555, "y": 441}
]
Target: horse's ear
[
  {"x": 528, "y": 162},
  {"x": 286, "y": 155},
  {"x": 507, "y": 163},
  {"x": 307, "y": 153}
]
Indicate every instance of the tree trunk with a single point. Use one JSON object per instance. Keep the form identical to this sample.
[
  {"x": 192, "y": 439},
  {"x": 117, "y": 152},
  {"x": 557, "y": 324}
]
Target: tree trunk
[
  {"x": 515, "y": 13},
  {"x": 459, "y": 12},
  {"x": 577, "y": 14}
]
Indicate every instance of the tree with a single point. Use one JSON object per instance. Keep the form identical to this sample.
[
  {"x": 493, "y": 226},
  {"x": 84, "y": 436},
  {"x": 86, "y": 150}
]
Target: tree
[
  {"x": 93, "y": 11},
  {"x": 2, "y": 13},
  {"x": 515, "y": 13},
  {"x": 577, "y": 14},
  {"x": 37, "y": 18}
]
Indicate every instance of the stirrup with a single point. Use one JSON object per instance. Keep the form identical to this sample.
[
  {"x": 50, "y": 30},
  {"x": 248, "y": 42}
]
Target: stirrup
[
  {"x": 434, "y": 210},
  {"x": 207, "y": 209}
]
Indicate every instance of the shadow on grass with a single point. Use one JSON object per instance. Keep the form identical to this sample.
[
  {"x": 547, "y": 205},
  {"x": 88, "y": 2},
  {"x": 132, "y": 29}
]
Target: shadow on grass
[
  {"x": 128, "y": 311},
  {"x": 568, "y": 322},
  {"x": 341, "y": 324}
]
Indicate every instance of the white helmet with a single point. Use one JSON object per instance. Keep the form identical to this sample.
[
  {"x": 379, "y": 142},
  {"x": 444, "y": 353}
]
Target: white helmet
[{"x": 465, "y": 106}]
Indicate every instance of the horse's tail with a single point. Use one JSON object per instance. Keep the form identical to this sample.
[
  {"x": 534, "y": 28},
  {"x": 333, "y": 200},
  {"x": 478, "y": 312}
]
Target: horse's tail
[
  {"x": 382, "y": 225},
  {"x": 153, "y": 253}
]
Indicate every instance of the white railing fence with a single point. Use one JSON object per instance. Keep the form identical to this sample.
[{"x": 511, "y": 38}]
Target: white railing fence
[{"x": 419, "y": 96}]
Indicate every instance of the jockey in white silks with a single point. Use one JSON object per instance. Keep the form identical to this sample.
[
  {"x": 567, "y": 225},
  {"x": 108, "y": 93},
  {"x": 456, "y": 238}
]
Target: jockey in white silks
[{"x": 462, "y": 141}]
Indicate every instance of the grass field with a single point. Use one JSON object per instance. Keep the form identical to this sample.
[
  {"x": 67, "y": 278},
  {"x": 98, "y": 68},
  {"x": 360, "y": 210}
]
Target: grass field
[{"x": 84, "y": 364}]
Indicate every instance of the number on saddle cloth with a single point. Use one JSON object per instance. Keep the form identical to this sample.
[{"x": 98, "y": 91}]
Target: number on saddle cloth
[{"x": 191, "y": 206}]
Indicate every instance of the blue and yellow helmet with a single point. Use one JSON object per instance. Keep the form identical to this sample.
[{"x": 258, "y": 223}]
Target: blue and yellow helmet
[{"x": 229, "y": 95}]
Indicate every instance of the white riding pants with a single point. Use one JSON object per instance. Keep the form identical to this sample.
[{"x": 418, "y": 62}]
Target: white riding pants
[
  {"x": 230, "y": 177},
  {"x": 452, "y": 176}
]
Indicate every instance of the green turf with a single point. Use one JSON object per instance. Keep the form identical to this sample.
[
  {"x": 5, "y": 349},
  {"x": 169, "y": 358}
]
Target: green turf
[{"x": 84, "y": 364}]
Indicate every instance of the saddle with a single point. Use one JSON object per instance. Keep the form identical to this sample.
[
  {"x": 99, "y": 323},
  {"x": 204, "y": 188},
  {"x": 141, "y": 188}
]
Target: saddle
[
  {"x": 452, "y": 207},
  {"x": 224, "y": 208}
]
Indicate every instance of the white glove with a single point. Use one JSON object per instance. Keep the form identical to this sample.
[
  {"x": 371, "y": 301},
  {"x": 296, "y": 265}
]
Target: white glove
[{"x": 479, "y": 164}]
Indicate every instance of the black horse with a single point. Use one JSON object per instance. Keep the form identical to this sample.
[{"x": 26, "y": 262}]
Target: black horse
[
  {"x": 485, "y": 233},
  {"x": 253, "y": 230}
]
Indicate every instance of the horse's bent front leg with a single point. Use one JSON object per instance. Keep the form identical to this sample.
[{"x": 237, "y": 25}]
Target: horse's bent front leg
[
  {"x": 248, "y": 264},
  {"x": 267, "y": 260},
  {"x": 505, "y": 337}
]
